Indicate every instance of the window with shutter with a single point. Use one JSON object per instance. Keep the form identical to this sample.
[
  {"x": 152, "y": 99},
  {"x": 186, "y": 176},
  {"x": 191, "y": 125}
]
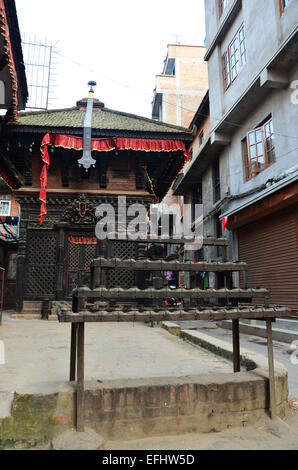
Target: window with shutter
[{"x": 259, "y": 149}]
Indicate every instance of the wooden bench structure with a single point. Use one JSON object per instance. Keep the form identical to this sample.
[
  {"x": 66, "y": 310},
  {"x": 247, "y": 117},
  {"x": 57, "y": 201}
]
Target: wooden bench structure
[{"x": 236, "y": 303}]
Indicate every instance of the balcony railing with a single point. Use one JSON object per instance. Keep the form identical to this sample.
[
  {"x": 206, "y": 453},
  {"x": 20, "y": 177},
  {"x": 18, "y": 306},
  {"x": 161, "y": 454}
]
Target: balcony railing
[{"x": 9, "y": 228}]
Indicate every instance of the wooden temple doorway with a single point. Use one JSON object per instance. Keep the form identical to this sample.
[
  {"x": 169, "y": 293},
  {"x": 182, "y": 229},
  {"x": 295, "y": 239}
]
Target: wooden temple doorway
[{"x": 80, "y": 250}]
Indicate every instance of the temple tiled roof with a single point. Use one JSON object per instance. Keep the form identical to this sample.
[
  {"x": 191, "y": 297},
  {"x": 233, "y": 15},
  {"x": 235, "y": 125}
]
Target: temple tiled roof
[{"x": 103, "y": 119}]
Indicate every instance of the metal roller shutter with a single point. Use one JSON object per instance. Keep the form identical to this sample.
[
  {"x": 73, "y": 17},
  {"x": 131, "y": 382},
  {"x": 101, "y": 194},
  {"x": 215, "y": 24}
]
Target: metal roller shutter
[{"x": 270, "y": 247}]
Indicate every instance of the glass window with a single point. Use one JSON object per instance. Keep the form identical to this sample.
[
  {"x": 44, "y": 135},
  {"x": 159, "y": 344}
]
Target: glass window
[
  {"x": 284, "y": 4},
  {"x": 234, "y": 58},
  {"x": 226, "y": 70},
  {"x": 222, "y": 6},
  {"x": 4, "y": 207},
  {"x": 259, "y": 149}
]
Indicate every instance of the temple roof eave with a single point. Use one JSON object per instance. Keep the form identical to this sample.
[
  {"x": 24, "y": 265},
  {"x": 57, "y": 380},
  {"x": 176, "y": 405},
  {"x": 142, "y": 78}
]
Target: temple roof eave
[{"x": 11, "y": 130}]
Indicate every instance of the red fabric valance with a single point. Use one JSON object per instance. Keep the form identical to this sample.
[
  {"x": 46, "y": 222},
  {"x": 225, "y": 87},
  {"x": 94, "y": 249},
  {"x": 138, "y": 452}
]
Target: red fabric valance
[
  {"x": 100, "y": 145},
  {"x": 82, "y": 240}
]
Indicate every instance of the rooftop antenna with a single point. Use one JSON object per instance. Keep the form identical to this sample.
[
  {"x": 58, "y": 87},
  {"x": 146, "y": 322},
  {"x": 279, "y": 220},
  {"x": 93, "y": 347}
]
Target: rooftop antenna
[
  {"x": 176, "y": 38},
  {"x": 87, "y": 159},
  {"x": 40, "y": 59}
]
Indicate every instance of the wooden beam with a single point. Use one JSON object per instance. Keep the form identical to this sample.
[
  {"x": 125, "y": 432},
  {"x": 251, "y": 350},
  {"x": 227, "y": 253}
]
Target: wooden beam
[
  {"x": 212, "y": 241},
  {"x": 271, "y": 203},
  {"x": 172, "y": 314},
  {"x": 162, "y": 265},
  {"x": 132, "y": 294}
]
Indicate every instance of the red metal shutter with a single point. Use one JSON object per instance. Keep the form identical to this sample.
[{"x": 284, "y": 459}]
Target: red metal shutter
[{"x": 270, "y": 247}]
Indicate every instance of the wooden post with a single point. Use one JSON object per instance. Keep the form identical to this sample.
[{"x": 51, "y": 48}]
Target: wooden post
[
  {"x": 224, "y": 254},
  {"x": 271, "y": 370},
  {"x": 236, "y": 345},
  {"x": 60, "y": 265},
  {"x": 95, "y": 277},
  {"x": 73, "y": 352},
  {"x": 80, "y": 378}
]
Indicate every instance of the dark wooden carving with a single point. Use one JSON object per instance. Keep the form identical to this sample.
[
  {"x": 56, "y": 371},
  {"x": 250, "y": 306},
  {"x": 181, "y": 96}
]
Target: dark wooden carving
[{"x": 81, "y": 211}]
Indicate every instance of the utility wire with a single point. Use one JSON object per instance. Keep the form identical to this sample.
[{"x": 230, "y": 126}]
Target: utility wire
[
  {"x": 171, "y": 104},
  {"x": 147, "y": 94}
]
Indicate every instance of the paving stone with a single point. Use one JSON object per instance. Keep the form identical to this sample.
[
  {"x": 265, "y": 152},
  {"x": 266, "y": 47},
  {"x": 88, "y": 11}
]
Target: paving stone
[{"x": 73, "y": 440}]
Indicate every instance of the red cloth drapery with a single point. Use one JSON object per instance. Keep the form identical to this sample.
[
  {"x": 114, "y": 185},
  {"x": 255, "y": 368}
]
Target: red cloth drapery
[
  {"x": 224, "y": 221},
  {"x": 4, "y": 31},
  {"x": 100, "y": 145}
]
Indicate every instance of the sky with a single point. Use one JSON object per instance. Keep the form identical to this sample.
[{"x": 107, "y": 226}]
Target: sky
[{"x": 120, "y": 44}]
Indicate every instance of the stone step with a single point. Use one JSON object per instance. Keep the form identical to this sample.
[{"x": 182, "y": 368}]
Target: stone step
[
  {"x": 278, "y": 334},
  {"x": 32, "y": 308},
  {"x": 25, "y": 316},
  {"x": 282, "y": 323},
  {"x": 31, "y": 303},
  {"x": 53, "y": 317}
]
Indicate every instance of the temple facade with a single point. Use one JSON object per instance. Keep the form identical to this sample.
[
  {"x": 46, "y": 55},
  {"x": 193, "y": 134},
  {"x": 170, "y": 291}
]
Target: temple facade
[{"x": 133, "y": 157}]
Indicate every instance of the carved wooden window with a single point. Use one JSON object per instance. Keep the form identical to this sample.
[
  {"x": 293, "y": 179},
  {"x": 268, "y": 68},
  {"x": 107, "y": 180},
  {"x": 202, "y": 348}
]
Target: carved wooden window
[
  {"x": 81, "y": 249},
  {"x": 41, "y": 264}
]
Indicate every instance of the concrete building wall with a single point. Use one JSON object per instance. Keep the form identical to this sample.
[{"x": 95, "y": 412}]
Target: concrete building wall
[
  {"x": 288, "y": 20},
  {"x": 284, "y": 114},
  {"x": 265, "y": 30},
  {"x": 195, "y": 146},
  {"x": 263, "y": 88},
  {"x": 182, "y": 92}
]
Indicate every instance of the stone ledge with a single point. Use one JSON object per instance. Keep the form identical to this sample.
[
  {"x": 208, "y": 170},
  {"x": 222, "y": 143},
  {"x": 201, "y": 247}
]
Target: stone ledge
[
  {"x": 156, "y": 406},
  {"x": 26, "y": 316},
  {"x": 278, "y": 334},
  {"x": 130, "y": 409}
]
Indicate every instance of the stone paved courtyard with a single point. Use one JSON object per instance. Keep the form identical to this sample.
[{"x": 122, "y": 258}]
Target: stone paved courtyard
[{"x": 37, "y": 354}]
